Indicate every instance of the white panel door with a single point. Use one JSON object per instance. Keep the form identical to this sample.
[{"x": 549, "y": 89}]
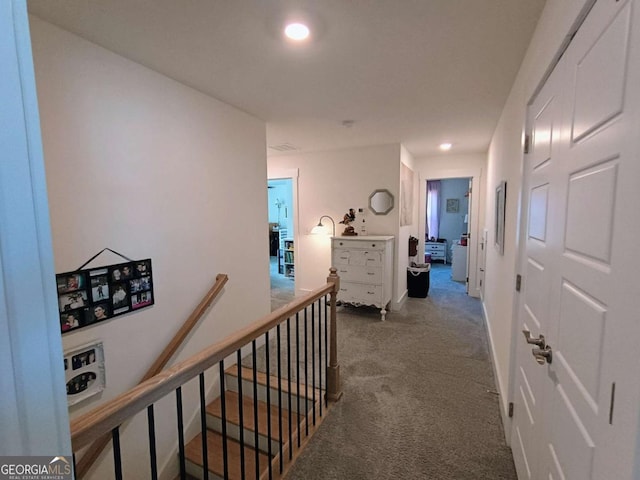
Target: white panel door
[
  {"x": 577, "y": 416},
  {"x": 536, "y": 266}
]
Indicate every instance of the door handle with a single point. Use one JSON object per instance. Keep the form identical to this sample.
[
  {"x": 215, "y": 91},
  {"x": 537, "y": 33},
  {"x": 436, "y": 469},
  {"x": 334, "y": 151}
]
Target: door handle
[
  {"x": 542, "y": 355},
  {"x": 540, "y": 342}
]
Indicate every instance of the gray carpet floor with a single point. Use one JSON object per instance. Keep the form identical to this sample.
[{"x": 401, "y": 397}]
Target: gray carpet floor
[
  {"x": 419, "y": 395},
  {"x": 282, "y": 288}
]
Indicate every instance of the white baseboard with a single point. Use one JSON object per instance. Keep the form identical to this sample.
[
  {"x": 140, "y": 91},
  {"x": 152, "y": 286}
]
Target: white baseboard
[
  {"x": 503, "y": 397},
  {"x": 398, "y": 304}
]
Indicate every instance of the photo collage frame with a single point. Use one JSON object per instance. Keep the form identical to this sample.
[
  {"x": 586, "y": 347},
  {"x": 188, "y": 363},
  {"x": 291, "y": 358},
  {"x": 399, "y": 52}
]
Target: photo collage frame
[
  {"x": 89, "y": 296},
  {"x": 84, "y": 372}
]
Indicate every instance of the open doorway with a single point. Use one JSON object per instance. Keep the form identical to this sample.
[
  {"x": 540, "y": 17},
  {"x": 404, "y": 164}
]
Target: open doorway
[
  {"x": 281, "y": 241},
  {"x": 448, "y": 207}
]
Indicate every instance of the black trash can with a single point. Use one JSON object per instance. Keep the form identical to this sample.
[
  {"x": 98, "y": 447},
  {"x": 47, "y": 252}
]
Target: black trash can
[{"x": 418, "y": 280}]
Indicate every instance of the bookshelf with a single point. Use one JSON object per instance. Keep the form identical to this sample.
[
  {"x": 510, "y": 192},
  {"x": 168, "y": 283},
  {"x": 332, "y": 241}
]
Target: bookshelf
[{"x": 288, "y": 258}]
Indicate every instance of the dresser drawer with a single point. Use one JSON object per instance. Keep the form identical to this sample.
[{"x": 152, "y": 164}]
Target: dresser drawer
[
  {"x": 435, "y": 248},
  {"x": 358, "y": 293},
  {"x": 361, "y": 274},
  {"x": 370, "y": 258},
  {"x": 360, "y": 244}
]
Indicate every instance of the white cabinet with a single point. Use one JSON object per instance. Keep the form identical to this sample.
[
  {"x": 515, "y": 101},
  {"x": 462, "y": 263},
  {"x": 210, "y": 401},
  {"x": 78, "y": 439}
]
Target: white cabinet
[
  {"x": 365, "y": 267},
  {"x": 437, "y": 250},
  {"x": 459, "y": 263}
]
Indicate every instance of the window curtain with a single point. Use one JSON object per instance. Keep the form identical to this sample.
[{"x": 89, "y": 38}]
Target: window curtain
[{"x": 433, "y": 208}]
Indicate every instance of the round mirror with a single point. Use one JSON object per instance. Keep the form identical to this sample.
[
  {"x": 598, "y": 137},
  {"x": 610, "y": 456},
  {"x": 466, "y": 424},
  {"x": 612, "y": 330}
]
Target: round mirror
[{"x": 381, "y": 202}]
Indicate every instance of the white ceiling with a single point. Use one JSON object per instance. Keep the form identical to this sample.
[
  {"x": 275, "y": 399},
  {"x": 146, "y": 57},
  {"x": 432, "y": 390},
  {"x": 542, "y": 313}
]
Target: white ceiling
[{"x": 419, "y": 72}]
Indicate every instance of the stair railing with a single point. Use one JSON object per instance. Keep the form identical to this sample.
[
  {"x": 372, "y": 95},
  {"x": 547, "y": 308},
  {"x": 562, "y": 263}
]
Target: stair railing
[
  {"x": 95, "y": 449},
  {"x": 107, "y": 419}
]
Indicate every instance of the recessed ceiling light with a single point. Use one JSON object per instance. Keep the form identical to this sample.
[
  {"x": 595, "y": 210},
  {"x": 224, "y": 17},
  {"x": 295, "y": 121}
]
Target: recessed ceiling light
[
  {"x": 297, "y": 31},
  {"x": 445, "y": 146}
]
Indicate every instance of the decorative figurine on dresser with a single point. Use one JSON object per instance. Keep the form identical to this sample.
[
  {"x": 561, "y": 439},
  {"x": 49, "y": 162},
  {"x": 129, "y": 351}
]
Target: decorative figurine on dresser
[
  {"x": 365, "y": 267},
  {"x": 349, "y": 217}
]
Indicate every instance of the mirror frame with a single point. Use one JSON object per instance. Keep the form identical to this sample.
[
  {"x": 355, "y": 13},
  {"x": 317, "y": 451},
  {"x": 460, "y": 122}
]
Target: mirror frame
[{"x": 375, "y": 192}]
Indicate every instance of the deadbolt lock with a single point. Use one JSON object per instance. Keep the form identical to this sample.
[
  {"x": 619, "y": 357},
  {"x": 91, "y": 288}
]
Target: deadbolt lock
[{"x": 542, "y": 355}]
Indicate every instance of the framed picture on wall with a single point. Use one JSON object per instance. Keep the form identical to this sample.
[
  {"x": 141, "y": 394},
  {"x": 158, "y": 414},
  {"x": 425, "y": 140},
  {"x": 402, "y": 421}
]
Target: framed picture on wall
[
  {"x": 87, "y": 297},
  {"x": 501, "y": 200},
  {"x": 453, "y": 205},
  {"x": 84, "y": 372}
]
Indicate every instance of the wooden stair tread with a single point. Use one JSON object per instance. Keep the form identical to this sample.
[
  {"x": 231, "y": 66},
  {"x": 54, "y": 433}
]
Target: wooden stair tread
[
  {"x": 193, "y": 453},
  {"x": 247, "y": 374},
  {"x": 233, "y": 414}
]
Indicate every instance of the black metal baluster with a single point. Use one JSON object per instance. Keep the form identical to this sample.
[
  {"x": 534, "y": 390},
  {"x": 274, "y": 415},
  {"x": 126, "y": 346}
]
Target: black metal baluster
[
  {"x": 266, "y": 351},
  {"x": 240, "y": 413},
  {"x": 289, "y": 386},
  {"x": 313, "y": 361},
  {"x": 223, "y": 408},
  {"x": 183, "y": 468},
  {"x": 117, "y": 459},
  {"x": 256, "y": 437},
  {"x": 326, "y": 352},
  {"x": 280, "y": 399},
  {"x": 203, "y": 429},
  {"x": 320, "y": 352},
  {"x": 152, "y": 443},
  {"x": 306, "y": 376},
  {"x": 298, "y": 376}
]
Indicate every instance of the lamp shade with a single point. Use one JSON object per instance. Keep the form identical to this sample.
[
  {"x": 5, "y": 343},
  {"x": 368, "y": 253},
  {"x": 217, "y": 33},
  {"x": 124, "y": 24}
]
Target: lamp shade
[{"x": 320, "y": 229}]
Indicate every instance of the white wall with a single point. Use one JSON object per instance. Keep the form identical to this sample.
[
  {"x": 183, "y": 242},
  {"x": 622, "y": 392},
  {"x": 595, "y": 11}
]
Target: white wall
[
  {"x": 404, "y": 232},
  {"x": 151, "y": 168},
  {"x": 505, "y": 163},
  {"x": 329, "y": 183},
  {"x": 457, "y": 166}
]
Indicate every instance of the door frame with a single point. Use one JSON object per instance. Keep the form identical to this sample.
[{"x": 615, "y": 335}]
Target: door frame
[
  {"x": 293, "y": 175},
  {"x": 37, "y": 419},
  {"x": 474, "y": 215}
]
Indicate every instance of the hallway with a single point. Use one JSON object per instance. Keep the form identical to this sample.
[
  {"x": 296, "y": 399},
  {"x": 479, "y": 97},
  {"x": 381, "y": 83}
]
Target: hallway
[{"x": 419, "y": 396}]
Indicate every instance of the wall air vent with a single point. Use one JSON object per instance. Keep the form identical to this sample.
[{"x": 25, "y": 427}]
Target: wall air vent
[{"x": 284, "y": 147}]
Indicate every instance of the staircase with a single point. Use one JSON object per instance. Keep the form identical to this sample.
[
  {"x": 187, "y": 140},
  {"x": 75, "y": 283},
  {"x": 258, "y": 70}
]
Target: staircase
[
  {"x": 278, "y": 416},
  {"x": 278, "y": 444}
]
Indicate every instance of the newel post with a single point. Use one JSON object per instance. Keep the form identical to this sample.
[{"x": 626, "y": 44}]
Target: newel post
[{"x": 334, "y": 391}]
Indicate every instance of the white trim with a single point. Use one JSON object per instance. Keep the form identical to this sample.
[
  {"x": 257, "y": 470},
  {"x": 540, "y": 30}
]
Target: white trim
[
  {"x": 503, "y": 399},
  {"x": 474, "y": 228},
  {"x": 294, "y": 175},
  {"x": 30, "y": 326},
  {"x": 398, "y": 304}
]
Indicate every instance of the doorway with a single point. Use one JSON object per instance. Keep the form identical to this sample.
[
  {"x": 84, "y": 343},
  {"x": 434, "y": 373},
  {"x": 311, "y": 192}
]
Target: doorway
[
  {"x": 448, "y": 203},
  {"x": 281, "y": 241}
]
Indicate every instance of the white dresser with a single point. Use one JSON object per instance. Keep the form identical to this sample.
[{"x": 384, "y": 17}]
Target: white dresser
[
  {"x": 365, "y": 267},
  {"x": 437, "y": 250}
]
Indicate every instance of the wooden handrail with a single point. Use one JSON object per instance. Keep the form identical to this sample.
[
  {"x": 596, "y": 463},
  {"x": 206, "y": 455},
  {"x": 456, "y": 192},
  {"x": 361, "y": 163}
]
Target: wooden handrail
[
  {"x": 103, "y": 419},
  {"x": 96, "y": 448},
  {"x": 178, "y": 338}
]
